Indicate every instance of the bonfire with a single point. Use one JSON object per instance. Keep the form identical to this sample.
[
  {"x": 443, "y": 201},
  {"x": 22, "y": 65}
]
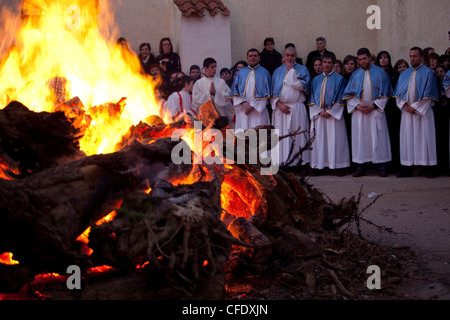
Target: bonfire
[{"x": 88, "y": 182}]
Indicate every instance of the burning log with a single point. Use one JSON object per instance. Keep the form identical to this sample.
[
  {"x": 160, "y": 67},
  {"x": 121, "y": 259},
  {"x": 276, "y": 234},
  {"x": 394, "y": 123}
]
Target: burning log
[
  {"x": 36, "y": 141},
  {"x": 178, "y": 233},
  {"x": 169, "y": 244},
  {"x": 150, "y": 130},
  {"x": 198, "y": 231},
  {"x": 50, "y": 209},
  {"x": 243, "y": 230}
]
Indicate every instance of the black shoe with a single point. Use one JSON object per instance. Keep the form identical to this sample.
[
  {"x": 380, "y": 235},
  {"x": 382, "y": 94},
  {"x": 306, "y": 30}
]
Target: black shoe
[
  {"x": 316, "y": 172},
  {"x": 383, "y": 173},
  {"x": 360, "y": 173},
  {"x": 341, "y": 172},
  {"x": 405, "y": 173},
  {"x": 431, "y": 173}
]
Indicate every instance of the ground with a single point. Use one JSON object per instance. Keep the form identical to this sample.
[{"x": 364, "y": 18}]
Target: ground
[{"x": 417, "y": 210}]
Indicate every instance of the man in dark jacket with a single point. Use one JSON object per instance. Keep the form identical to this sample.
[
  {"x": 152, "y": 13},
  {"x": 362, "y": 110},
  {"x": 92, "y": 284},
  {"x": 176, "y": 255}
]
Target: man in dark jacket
[
  {"x": 321, "y": 44},
  {"x": 270, "y": 58}
]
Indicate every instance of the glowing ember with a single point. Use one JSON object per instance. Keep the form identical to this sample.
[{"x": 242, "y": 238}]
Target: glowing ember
[
  {"x": 6, "y": 167},
  {"x": 100, "y": 269},
  {"x": 67, "y": 49},
  {"x": 110, "y": 217},
  {"x": 84, "y": 237},
  {"x": 7, "y": 258},
  {"x": 148, "y": 190},
  {"x": 48, "y": 276},
  {"x": 142, "y": 266}
]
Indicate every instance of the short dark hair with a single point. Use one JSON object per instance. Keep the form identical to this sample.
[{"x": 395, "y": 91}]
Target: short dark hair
[
  {"x": 329, "y": 55},
  {"x": 364, "y": 51},
  {"x": 270, "y": 39},
  {"x": 290, "y": 44},
  {"x": 145, "y": 44},
  {"x": 224, "y": 70},
  {"x": 321, "y": 39},
  {"x": 350, "y": 57},
  {"x": 417, "y": 49},
  {"x": 208, "y": 61},
  {"x": 252, "y": 50},
  {"x": 434, "y": 55},
  {"x": 194, "y": 67},
  {"x": 181, "y": 82}
]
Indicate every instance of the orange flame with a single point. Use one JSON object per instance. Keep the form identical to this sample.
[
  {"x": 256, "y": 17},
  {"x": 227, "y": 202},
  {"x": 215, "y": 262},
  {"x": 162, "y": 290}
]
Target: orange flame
[
  {"x": 100, "y": 269},
  {"x": 84, "y": 237},
  {"x": 7, "y": 167},
  {"x": 7, "y": 258},
  {"x": 67, "y": 49},
  {"x": 108, "y": 218}
]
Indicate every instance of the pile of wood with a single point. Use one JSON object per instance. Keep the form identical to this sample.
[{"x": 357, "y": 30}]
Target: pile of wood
[{"x": 230, "y": 231}]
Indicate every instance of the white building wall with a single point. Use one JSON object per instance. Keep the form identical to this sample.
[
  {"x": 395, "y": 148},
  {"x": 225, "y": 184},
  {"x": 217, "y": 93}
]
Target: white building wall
[{"x": 208, "y": 36}]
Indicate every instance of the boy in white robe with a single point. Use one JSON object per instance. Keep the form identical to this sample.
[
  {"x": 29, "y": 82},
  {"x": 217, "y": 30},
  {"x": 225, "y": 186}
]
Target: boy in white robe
[
  {"x": 179, "y": 103},
  {"x": 212, "y": 87}
]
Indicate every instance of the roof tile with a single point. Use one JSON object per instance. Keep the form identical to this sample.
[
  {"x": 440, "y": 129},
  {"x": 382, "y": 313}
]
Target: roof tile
[{"x": 200, "y": 7}]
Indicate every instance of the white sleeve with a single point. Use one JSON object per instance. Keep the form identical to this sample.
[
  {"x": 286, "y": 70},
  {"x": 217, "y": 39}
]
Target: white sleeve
[
  {"x": 382, "y": 102},
  {"x": 172, "y": 106},
  {"x": 314, "y": 111},
  {"x": 400, "y": 104},
  {"x": 352, "y": 104},
  {"x": 336, "y": 111},
  {"x": 292, "y": 81},
  {"x": 222, "y": 97},
  {"x": 199, "y": 97},
  {"x": 423, "y": 107}
]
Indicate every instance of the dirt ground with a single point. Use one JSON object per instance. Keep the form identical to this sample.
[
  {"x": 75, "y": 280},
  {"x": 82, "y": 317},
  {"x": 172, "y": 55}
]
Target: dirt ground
[{"x": 418, "y": 211}]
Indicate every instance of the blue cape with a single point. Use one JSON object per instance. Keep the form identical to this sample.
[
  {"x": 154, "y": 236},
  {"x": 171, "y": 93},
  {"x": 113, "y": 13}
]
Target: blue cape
[
  {"x": 280, "y": 73},
  {"x": 380, "y": 84},
  {"x": 333, "y": 87},
  {"x": 262, "y": 83},
  {"x": 446, "y": 82},
  {"x": 426, "y": 84}
]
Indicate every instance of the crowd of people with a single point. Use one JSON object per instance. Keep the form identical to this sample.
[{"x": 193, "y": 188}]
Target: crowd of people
[{"x": 348, "y": 115}]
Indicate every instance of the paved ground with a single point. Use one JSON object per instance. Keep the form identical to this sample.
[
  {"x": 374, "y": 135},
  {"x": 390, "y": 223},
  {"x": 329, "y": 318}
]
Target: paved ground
[{"x": 418, "y": 209}]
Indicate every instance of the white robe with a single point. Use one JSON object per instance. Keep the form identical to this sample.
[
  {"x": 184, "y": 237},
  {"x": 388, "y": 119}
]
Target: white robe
[
  {"x": 294, "y": 97},
  {"x": 259, "y": 116},
  {"x": 330, "y": 145},
  {"x": 201, "y": 93},
  {"x": 175, "y": 108},
  {"x": 370, "y": 136},
  {"x": 417, "y": 131}
]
